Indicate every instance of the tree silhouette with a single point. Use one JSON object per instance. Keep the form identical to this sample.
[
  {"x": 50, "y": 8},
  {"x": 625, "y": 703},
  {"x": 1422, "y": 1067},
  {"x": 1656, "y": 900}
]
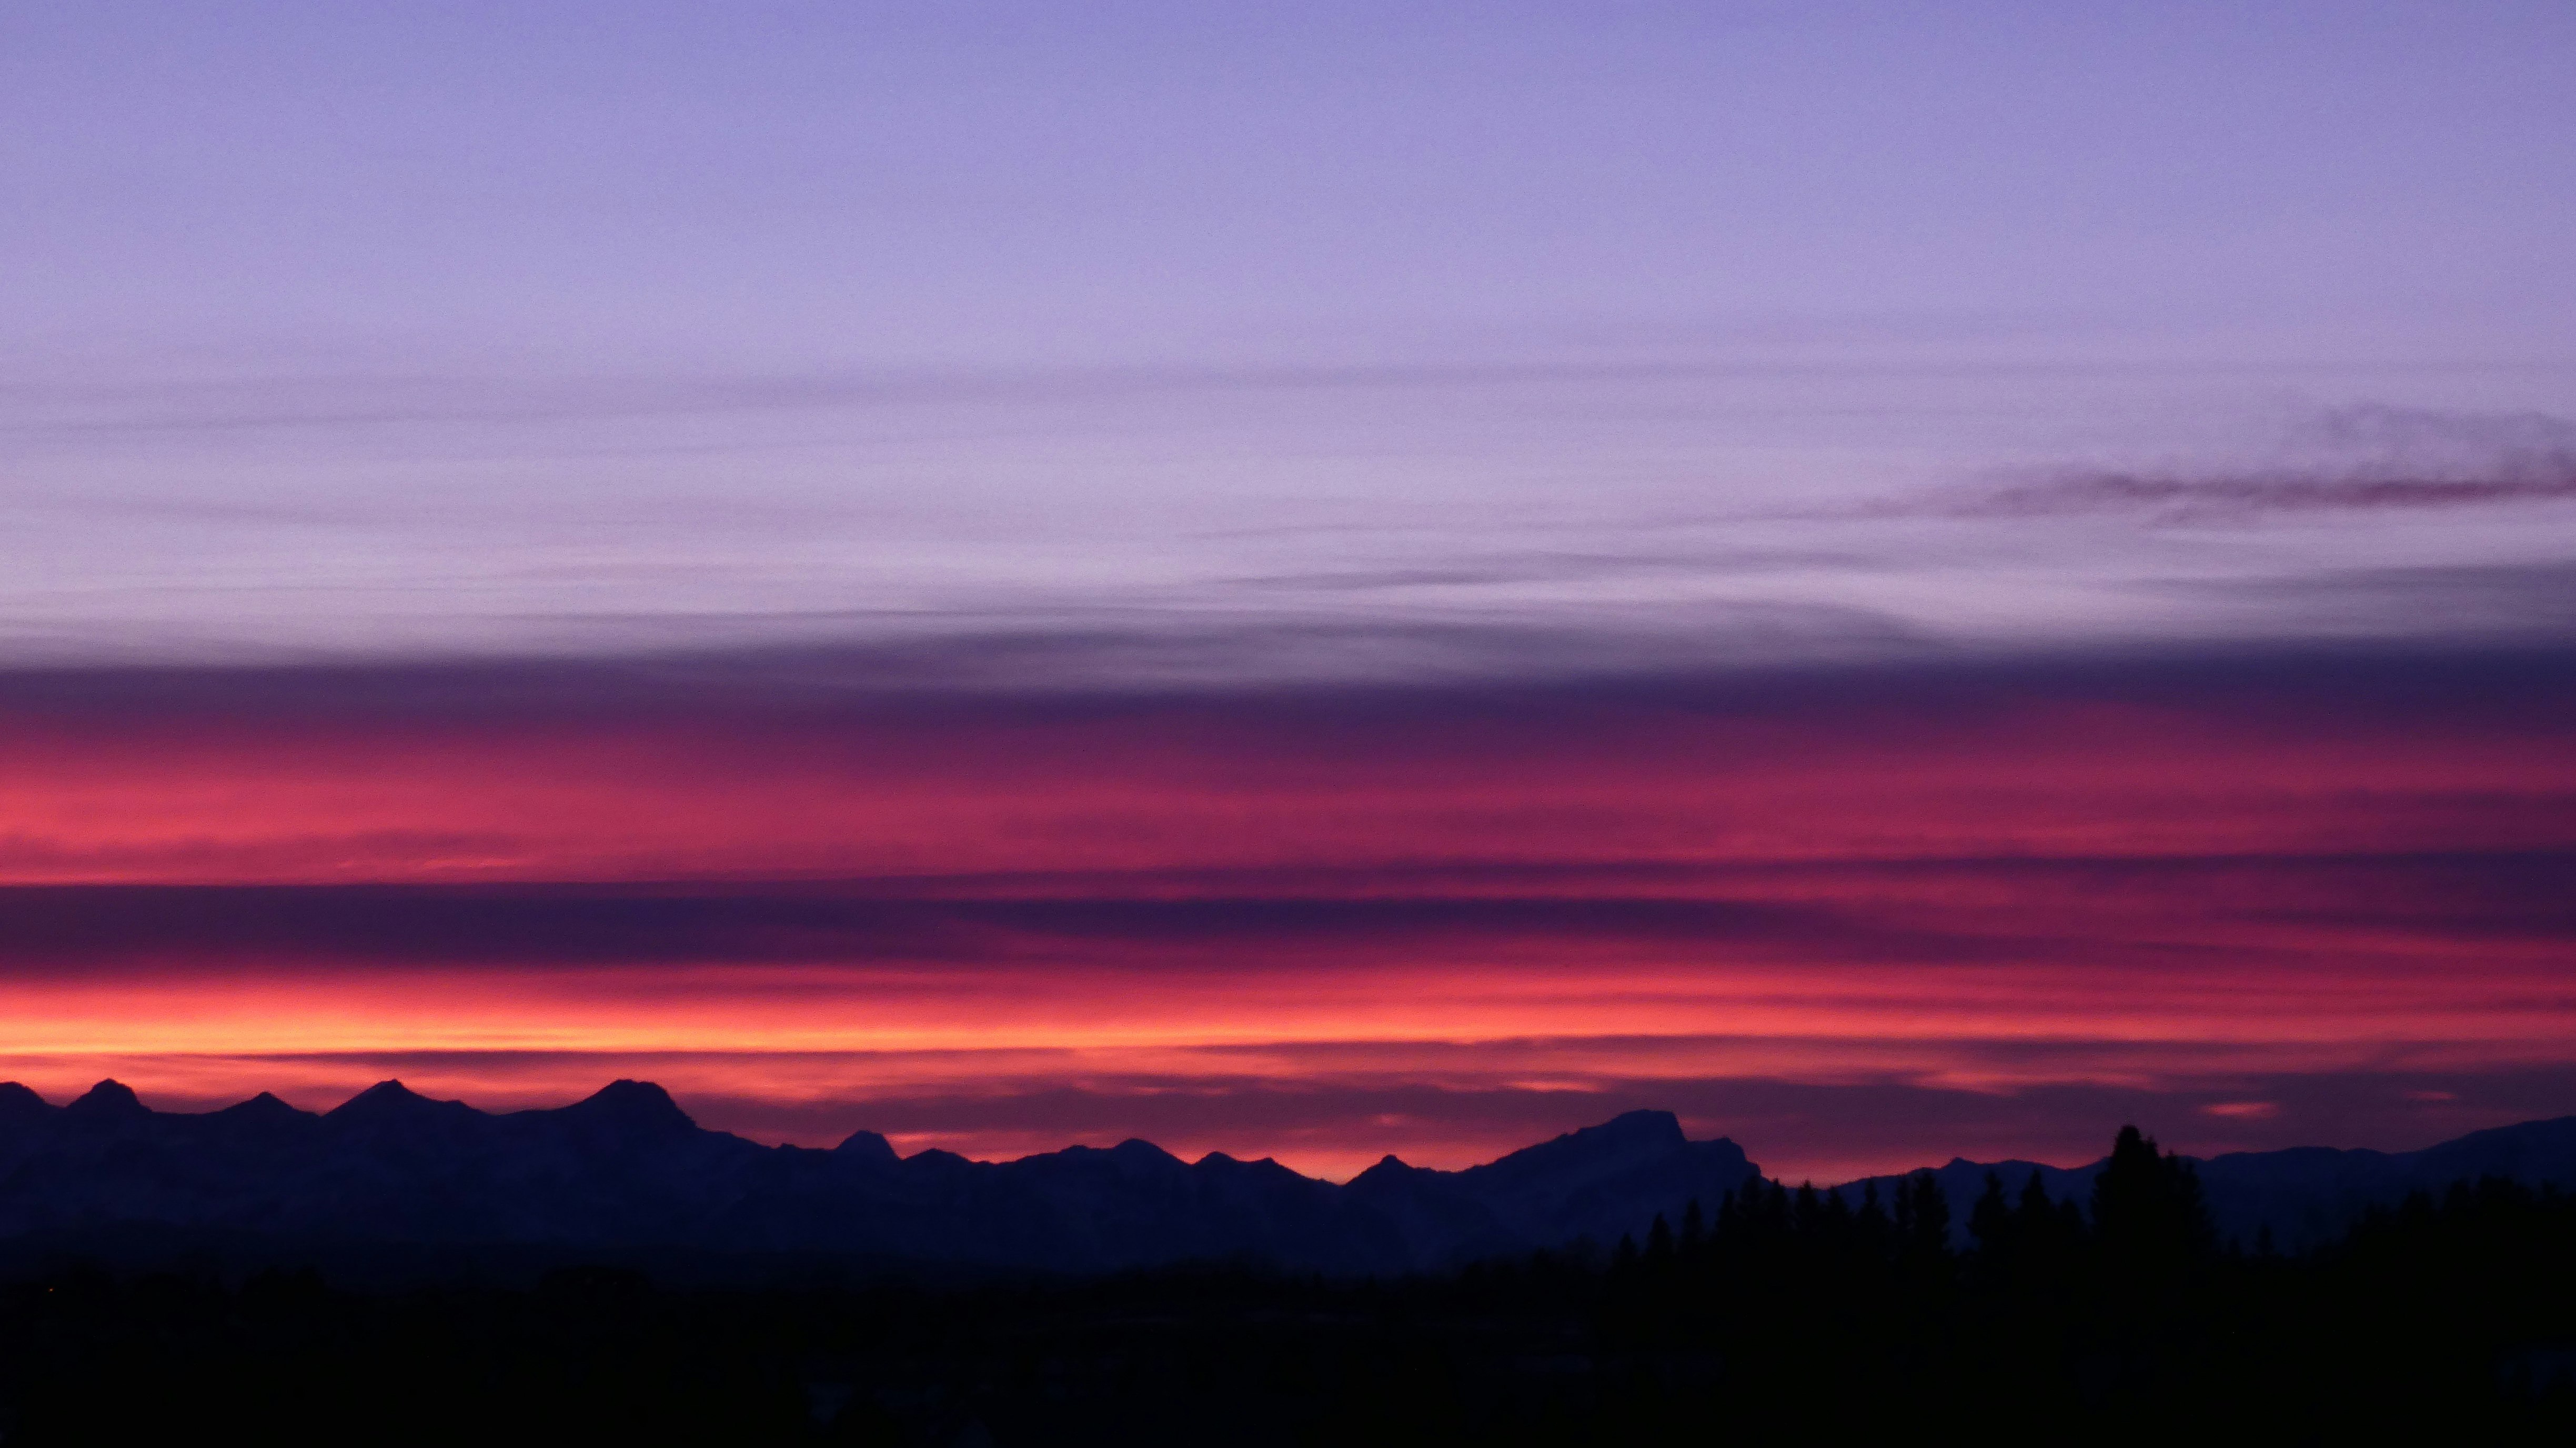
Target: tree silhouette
[
  {"x": 2148, "y": 1213},
  {"x": 1928, "y": 1234},
  {"x": 1991, "y": 1220}
]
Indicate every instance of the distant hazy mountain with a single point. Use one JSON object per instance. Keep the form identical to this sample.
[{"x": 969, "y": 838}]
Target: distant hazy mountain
[
  {"x": 2307, "y": 1195},
  {"x": 627, "y": 1171}
]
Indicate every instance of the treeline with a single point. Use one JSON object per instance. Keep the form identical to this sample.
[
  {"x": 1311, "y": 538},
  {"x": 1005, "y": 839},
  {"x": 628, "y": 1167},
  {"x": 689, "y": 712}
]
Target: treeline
[
  {"x": 2125, "y": 1307},
  {"x": 1775, "y": 1310}
]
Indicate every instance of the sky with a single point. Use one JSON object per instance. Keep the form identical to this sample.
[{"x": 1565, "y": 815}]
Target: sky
[{"x": 1896, "y": 580}]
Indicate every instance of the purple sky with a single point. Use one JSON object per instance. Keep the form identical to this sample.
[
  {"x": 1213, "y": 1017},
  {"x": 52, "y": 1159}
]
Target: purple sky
[
  {"x": 1742, "y": 329},
  {"x": 1897, "y": 578}
]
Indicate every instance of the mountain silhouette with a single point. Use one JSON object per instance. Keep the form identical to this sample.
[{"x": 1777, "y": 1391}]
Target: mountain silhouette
[
  {"x": 2306, "y": 1195},
  {"x": 1600, "y": 1183},
  {"x": 626, "y": 1170}
]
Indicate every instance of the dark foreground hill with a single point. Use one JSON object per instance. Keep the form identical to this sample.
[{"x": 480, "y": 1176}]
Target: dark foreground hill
[
  {"x": 626, "y": 1174},
  {"x": 2109, "y": 1308},
  {"x": 1782, "y": 1314}
]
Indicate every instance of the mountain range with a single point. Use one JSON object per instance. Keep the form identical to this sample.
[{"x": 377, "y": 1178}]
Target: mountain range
[{"x": 626, "y": 1172}]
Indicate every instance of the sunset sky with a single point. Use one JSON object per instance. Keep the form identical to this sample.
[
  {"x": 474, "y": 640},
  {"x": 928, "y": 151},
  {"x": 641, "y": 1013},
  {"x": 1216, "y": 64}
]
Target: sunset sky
[{"x": 1896, "y": 580}]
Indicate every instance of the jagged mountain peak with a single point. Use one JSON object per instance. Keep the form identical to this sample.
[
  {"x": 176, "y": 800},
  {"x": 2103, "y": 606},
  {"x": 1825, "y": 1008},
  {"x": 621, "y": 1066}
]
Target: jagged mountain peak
[
  {"x": 1641, "y": 1125},
  {"x": 109, "y": 1098},
  {"x": 1389, "y": 1167},
  {"x": 867, "y": 1146},
  {"x": 263, "y": 1107},
  {"x": 1134, "y": 1157},
  {"x": 21, "y": 1101},
  {"x": 393, "y": 1101},
  {"x": 1628, "y": 1137},
  {"x": 635, "y": 1106},
  {"x": 1627, "y": 1132}
]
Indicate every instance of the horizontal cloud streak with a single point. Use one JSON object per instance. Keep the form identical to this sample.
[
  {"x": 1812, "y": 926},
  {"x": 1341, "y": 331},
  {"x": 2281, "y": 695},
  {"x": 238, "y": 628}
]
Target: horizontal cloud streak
[
  {"x": 987, "y": 677},
  {"x": 2493, "y": 601},
  {"x": 1853, "y": 912},
  {"x": 2201, "y": 499},
  {"x": 1187, "y": 527}
]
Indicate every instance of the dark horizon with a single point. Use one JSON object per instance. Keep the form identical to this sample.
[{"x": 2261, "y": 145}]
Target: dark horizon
[{"x": 107, "y": 1098}]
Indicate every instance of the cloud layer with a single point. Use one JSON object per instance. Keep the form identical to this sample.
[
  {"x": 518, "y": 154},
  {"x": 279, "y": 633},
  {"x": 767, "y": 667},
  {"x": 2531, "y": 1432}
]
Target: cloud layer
[{"x": 1848, "y": 915}]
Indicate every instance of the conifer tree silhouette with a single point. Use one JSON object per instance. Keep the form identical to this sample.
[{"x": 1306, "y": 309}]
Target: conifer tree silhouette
[
  {"x": 1871, "y": 1231},
  {"x": 1930, "y": 1236},
  {"x": 2148, "y": 1214},
  {"x": 1996, "y": 1227},
  {"x": 2034, "y": 1206},
  {"x": 1991, "y": 1220}
]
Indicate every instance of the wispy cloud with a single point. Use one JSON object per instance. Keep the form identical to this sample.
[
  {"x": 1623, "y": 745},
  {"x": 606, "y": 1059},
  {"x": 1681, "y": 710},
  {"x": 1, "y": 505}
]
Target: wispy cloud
[
  {"x": 2482, "y": 601},
  {"x": 2196, "y": 499},
  {"x": 2350, "y": 460}
]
